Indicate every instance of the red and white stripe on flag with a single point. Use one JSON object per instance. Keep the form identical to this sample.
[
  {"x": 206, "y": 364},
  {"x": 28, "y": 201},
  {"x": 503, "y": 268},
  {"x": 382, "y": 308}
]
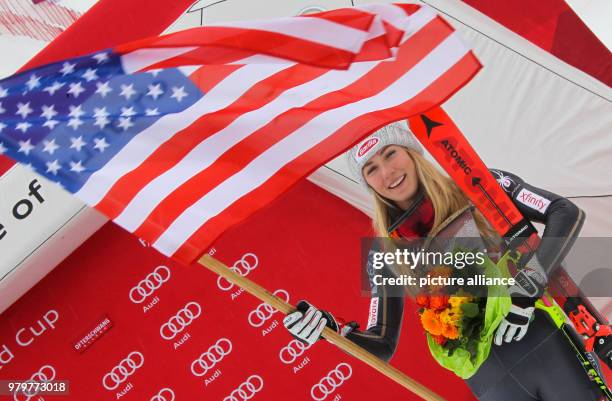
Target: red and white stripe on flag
[
  {"x": 331, "y": 39},
  {"x": 281, "y": 98}
]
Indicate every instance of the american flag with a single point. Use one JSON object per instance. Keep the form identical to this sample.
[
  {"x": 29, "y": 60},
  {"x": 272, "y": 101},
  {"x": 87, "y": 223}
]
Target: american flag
[{"x": 179, "y": 137}]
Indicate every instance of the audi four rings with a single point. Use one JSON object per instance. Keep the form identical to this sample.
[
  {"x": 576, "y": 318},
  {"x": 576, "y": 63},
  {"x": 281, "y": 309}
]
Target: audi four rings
[
  {"x": 45, "y": 374},
  {"x": 264, "y": 312},
  {"x": 242, "y": 266},
  {"x": 209, "y": 358},
  {"x": 149, "y": 284},
  {"x": 289, "y": 353},
  {"x": 247, "y": 389},
  {"x": 328, "y": 384},
  {"x": 183, "y": 318},
  {"x": 123, "y": 370}
]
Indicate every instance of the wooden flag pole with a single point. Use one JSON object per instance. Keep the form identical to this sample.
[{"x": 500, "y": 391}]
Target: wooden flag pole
[{"x": 344, "y": 344}]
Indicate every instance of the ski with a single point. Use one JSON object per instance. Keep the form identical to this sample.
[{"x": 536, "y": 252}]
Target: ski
[
  {"x": 436, "y": 131},
  {"x": 586, "y": 358}
]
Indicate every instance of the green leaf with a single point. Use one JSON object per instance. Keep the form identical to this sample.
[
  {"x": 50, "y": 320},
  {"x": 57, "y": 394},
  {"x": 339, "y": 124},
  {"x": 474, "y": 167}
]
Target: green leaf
[{"x": 470, "y": 309}]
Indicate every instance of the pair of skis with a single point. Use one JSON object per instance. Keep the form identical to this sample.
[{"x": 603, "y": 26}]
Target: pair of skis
[{"x": 440, "y": 136}]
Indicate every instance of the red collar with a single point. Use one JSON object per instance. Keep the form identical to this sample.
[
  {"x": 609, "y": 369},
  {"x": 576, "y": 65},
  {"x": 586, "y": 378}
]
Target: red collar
[{"x": 416, "y": 222}]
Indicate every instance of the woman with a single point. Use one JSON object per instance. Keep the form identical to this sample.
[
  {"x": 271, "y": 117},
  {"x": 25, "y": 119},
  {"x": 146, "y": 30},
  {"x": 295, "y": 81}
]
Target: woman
[{"x": 530, "y": 359}]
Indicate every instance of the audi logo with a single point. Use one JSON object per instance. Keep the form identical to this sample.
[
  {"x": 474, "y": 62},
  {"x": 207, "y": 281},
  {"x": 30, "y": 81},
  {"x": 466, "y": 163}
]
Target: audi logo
[
  {"x": 247, "y": 389},
  {"x": 264, "y": 312},
  {"x": 289, "y": 353},
  {"x": 242, "y": 266},
  {"x": 328, "y": 384},
  {"x": 149, "y": 284},
  {"x": 123, "y": 370},
  {"x": 180, "y": 320},
  {"x": 208, "y": 359},
  {"x": 45, "y": 374},
  {"x": 165, "y": 394}
]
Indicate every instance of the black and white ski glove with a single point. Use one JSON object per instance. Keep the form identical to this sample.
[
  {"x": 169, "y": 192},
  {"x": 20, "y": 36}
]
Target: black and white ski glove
[
  {"x": 307, "y": 323},
  {"x": 515, "y": 324},
  {"x": 530, "y": 283}
]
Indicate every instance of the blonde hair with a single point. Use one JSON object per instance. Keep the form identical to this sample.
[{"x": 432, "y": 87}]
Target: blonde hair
[{"x": 444, "y": 194}]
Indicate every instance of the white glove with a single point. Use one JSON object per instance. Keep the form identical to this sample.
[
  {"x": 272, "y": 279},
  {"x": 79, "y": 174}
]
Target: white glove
[
  {"x": 515, "y": 324},
  {"x": 307, "y": 322}
]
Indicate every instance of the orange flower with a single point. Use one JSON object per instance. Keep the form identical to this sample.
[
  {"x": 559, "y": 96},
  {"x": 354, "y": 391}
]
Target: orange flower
[
  {"x": 450, "y": 331},
  {"x": 431, "y": 322},
  {"x": 422, "y": 301},
  {"x": 438, "y": 302}
]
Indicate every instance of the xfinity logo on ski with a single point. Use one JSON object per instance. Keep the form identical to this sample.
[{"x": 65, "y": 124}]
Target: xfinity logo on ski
[
  {"x": 533, "y": 200},
  {"x": 366, "y": 146},
  {"x": 457, "y": 157}
]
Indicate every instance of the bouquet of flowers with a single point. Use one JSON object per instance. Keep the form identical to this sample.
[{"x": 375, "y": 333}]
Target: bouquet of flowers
[
  {"x": 453, "y": 321},
  {"x": 460, "y": 324}
]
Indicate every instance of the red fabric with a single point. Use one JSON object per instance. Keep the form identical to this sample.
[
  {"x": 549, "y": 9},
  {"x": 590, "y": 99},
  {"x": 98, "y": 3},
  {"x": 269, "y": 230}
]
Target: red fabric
[
  {"x": 419, "y": 223},
  {"x": 553, "y": 26},
  {"x": 306, "y": 244},
  {"x": 5, "y": 164},
  {"x": 274, "y": 39}
]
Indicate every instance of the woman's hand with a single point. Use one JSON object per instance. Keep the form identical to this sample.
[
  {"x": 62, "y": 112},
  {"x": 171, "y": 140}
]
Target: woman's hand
[
  {"x": 515, "y": 324},
  {"x": 307, "y": 322},
  {"x": 530, "y": 277}
]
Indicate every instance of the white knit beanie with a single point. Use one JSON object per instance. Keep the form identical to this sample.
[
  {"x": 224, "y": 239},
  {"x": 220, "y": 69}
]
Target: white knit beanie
[{"x": 396, "y": 133}]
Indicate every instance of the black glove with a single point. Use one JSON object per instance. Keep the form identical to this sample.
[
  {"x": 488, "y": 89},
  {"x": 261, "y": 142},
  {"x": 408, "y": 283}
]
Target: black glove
[
  {"x": 530, "y": 280},
  {"x": 307, "y": 322}
]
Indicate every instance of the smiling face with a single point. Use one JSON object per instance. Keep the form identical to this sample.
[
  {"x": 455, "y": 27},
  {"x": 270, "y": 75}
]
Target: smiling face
[{"x": 392, "y": 174}]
